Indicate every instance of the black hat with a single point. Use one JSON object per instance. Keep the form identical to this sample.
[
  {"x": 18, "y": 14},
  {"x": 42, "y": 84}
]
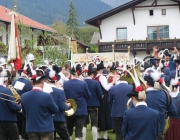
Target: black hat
[
  {"x": 166, "y": 53},
  {"x": 177, "y": 60},
  {"x": 91, "y": 69},
  {"x": 147, "y": 65},
  {"x": 76, "y": 69},
  {"x": 149, "y": 79},
  {"x": 53, "y": 74},
  {"x": 113, "y": 67},
  {"x": 138, "y": 92},
  {"x": 100, "y": 66},
  {"x": 37, "y": 75}
]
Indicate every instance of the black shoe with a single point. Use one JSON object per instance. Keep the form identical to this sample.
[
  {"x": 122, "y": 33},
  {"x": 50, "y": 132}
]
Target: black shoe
[{"x": 99, "y": 139}]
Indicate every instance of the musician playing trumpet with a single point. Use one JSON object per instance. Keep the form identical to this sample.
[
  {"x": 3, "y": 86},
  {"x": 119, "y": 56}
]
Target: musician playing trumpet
[{"x": 8, "y": 109}]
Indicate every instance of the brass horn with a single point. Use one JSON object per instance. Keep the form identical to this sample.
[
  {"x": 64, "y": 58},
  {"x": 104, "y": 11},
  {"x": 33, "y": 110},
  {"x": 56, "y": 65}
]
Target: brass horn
[{"x": 72, "y": 109}]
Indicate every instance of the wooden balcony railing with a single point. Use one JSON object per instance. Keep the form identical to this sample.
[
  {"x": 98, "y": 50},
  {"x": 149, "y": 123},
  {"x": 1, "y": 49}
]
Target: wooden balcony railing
[{"x": 145, "y": 45}]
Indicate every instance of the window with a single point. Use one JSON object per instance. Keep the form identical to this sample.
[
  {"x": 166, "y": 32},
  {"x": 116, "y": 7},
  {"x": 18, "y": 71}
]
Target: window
[
  {"x": 151, "y": 12},
  {"x": 163, "y": 11},
  {"x": 122, "y": 34},
  {"x": 158, "y": 32}
]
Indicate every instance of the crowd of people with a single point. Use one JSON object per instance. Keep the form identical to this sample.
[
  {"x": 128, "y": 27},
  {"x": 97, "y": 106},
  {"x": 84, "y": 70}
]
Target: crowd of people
[{"x": 138, "y": 99}]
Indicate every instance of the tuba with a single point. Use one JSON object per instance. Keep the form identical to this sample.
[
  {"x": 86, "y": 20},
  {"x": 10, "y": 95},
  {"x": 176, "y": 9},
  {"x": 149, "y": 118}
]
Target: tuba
[{"x": 72, "y": 109}]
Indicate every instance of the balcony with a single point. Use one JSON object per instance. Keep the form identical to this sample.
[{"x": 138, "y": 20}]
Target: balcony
[{"x": 142, "y": 45}]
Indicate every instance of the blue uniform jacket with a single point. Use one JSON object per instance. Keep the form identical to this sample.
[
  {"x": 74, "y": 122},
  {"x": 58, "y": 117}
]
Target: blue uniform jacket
[
  {"x": 118, "y": 99},
  {"x": 140, "y": 123},
  {"x": 157, "y": 100},
  {"x": 96, "y": 92},
  {"x": 26, "y": 88},
  {"x": 38, "y": 107},
  {"x": 60, "y": 99},
  {"x": 77, "y": 90},
  {"x": 8, "y": 109},
  {"x": 172, "y": 65}
]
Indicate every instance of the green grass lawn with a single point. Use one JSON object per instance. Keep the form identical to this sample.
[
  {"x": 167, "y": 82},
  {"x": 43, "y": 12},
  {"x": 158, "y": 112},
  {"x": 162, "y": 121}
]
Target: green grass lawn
[{"x": 111, "y": 135}]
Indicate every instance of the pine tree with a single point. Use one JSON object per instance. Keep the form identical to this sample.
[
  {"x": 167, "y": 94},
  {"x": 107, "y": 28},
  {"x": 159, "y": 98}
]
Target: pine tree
[{"x": 72, "y": 23}]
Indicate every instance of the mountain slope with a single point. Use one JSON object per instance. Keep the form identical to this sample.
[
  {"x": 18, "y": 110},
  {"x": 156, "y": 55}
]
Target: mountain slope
[
  {"x": 47, "y": 11},
  {"x": 115, "y": 3}
]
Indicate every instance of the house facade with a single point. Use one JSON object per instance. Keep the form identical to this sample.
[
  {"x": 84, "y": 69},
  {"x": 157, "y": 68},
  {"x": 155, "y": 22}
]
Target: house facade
[
  {"x": 140, "y": 24},
  {"x": 27, "y": 33}
]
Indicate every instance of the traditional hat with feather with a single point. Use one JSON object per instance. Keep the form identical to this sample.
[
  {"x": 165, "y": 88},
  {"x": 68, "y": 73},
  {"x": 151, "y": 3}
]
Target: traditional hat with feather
[
  {"x": 76, "y": 69},
  {"x": 53, "y": 74}
]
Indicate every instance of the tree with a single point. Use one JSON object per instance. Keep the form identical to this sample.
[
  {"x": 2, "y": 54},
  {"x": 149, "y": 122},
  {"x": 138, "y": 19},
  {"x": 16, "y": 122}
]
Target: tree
[{"x": 72, "y": 23}]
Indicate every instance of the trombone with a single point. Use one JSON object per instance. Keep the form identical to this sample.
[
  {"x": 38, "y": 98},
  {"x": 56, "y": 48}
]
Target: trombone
[{"x": 17, "y": 98}]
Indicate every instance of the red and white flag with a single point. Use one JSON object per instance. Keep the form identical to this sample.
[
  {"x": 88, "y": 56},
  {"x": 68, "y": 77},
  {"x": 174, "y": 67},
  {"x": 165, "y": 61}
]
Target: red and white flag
[{"x": 14, "y": 50}]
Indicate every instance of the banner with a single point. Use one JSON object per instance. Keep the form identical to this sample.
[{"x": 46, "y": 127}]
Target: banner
[
  {"x": 74, "y": 46},
  {"x": 14, "y": 50}
]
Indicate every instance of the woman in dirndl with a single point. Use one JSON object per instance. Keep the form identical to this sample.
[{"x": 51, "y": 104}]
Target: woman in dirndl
[
  {"x": 104, "y": 119},
  {"x": 173, "y": 133}
]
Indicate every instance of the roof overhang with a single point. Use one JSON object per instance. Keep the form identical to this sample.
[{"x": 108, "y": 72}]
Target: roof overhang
[{"x": 95, "y": 20}]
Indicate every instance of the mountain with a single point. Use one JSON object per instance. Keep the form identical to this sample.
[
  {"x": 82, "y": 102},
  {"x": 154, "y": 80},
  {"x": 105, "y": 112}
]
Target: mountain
[
  {"x": 115, "y": 3},
  {"x": 47, "y": 11}
]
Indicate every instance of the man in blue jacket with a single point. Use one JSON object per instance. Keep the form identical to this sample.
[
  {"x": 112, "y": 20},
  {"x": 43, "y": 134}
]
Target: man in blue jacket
[
  {"x": 93, "y": 103},
  {"x": 60, "y": 100},
  {"x": 140, "y": 122},
  {"x": 25, "y": 86},
  {"x": 118, "y": 100},
  {"x": 77, "y": 90},
  {"x": 8, "y": 109},
  {"x": 38, "y": 108},
  {"x": 157, "y": 99}
]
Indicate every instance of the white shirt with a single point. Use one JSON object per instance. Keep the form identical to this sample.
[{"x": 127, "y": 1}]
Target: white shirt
[
  {"x": 141, "y": 103},
  {"x": 150, "y": 89},
  {"x": 104, "y": 82}
]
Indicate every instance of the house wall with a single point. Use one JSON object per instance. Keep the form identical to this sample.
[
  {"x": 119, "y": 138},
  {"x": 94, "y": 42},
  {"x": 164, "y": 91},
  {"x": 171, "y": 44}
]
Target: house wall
[
  {"x": 3, "y": 32},
  {"x": 142, "y": 19}
]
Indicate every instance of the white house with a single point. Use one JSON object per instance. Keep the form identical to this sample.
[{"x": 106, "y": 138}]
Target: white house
[
  {"x": 5, "y": 23},
  {"x": 140, "y": 24}
]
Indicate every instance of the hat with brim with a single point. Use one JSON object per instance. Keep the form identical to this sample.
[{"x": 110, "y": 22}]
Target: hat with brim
[
  {"x": 166, "y": 53},
  {"x": 133, "y": 92},
  {"x": 149, "y": 79},
  {"x": 76, "y": 69},
  {"x": 147, "y": 65},
  {"x": 113, "y": 67},
  {"x": 38, "y": 75},
  {"x": 91, "y": 70},
  {"x": 177, "y": 61},
  {"x": 100, "y": 66}
]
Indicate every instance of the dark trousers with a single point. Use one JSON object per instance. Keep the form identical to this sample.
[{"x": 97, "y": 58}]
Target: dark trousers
[
  {"x": 160, "y": 136},
  {"x": 22, "y": 125},
  {"x": 78, "y": 122},
  {"x": 93, "y": 114},
  {"x": 118, "y": 127},
  {"x": 61, "y": 129},
  {"x": 9, "y": 131},
  {"x": 41, "y": 136}
]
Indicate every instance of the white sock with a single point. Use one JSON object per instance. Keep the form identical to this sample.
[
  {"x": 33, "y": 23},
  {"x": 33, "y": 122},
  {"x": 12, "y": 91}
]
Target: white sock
[
  {"x": 105, "y": 134},
  {"x": 70, "y": 138},
  {"x": 99, "y": 134},
  {"x": 77, "y": 139},
  {"x": 84, "y": 133},
  {"x": 94, "y": 133}
]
